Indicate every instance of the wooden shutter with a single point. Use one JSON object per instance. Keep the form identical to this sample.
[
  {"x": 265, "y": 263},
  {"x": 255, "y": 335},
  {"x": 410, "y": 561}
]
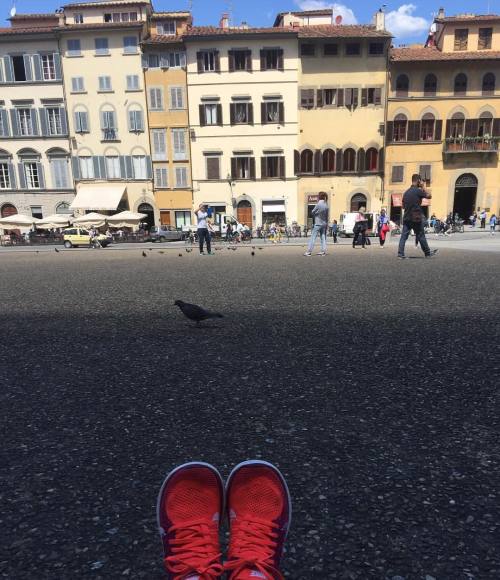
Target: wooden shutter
[
  {"x": 340, "y": 97},
  {"x": 232, "y": 112},
  {"x": 252, "y": 168},
  {"x": 213, "y": 165},
  {"x": 37, "y": 67},
  {"x": 389, "y": 133},
  {"x": 355, "y": 98},
  {"x": 361, "y": 161},
  {"x": 233, "y": 167},
  {"x": 280, "y": 60},
  {"x": 282, "y": 167},
  {"x": 263, "y": 168},
  {"x": 425, "y": 172},
  {"x": 9, "y": 69},
  {"x": 281, "y": 113},
  {"x": 263, "y": 116},
  {"x": 44, "y": 129},
  {"x": 12, "y": 176},
  {"x": 378, "y": 96},
  {"x": 76, "y": 168},
  {"x": 248, "y": 56},
  {"x": 230, "y": 58},
  {"x": 348, "y": 97},
  {"x": 339, "y": 161},
  {"x": 413, "y": 131},
  {"x": 381, "y": 156},
  {"x": 364, "y": 97},
  {"x": 217, "y": 61},
  {"x": 250, "y": 113},
  {"x": 438, "y": 130},
  {"x": 5, "y": 123},
  {"x": 220, "y": 121},
  {"x": 296, "y": 162},
  {"x": 317, "y": 161},
  {"x": 319, "y": 98},
  {"x": 397, "y": 173},
  {"x": 22, "y": 176},
  {"x": 199, "y": 60},
  {"x": 496, "y": 127},
  {"x": 448, "y": 128},
  {"x": 471, "y": 127},
  {"x": 263, "y": 60}
]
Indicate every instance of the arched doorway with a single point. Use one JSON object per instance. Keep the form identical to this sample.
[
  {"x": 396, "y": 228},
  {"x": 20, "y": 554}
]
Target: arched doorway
[
  {"x": 244, "y": 213},
  {"x": 149, "y": 220},
  {"x": 358, "y": 201},
  {"x": 8, "y": 209},
  {"x": 465, "y": 195}
]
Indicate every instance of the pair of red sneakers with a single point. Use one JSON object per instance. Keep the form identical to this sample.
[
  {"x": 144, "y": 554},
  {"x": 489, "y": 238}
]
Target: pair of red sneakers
[{"x": 191, "y": 506}]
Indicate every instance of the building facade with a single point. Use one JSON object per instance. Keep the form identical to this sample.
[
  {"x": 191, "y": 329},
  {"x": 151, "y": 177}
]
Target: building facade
[
  {"x": 444, "y": 117},
  {"x": 105, "y": 96},
  {"x": 165, "y": 81},
  {"x": 35, "y": 173}
]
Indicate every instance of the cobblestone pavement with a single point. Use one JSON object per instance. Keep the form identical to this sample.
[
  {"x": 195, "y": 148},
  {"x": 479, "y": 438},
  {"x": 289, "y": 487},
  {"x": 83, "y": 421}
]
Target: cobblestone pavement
[{"x": 372, "y": 383}]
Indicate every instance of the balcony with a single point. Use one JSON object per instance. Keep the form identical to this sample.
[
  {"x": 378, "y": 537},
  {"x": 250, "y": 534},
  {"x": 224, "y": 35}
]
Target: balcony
[
  {"x": 109, "y": 135},
  {"x": 476, "y": 145}
]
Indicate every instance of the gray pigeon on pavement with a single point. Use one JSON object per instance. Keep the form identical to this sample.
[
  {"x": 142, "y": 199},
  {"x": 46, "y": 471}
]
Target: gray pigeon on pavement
[{"x": 196, "y": 313}]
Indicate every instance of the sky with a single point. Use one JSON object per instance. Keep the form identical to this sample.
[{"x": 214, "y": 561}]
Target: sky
[{"x": 408, "y": 20}]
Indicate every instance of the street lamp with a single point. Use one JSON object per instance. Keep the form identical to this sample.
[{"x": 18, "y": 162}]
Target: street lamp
[{"x": 231, "y": 183}]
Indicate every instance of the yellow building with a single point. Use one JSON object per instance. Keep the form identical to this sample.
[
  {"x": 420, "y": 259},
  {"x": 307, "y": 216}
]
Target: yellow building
[
  {"x": 444, "y": 117},
  {"x": 164, "y": 63}
]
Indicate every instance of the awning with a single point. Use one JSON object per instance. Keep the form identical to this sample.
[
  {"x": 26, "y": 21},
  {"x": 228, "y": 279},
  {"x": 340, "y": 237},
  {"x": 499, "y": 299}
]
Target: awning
[
  {"x": 98, "y": 197},
  {"x": 273, "y": 207}
]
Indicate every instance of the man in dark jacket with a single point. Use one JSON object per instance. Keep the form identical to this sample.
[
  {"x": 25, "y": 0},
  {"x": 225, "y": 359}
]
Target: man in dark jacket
[{"x": 413, "y": 217}]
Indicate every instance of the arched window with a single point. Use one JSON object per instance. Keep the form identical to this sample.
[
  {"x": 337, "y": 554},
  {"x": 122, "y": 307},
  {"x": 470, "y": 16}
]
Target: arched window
[
  {"x": 371, "y": 163},
  {"x": 306, "y": 161},
  {"x": 427, "y": 127},
  {"x": 460, "y": 88},
  {"x": 63, "y": 208},
  {"x": 400, "y": 127},
  {"x": 485, "y": 127},
  {"x": 489, "y": 84},
  {"x": 349, "y": 158},
  {"x": 402, "y": 85},
  {"x": 8, "y": 209},
  {"x": 136, "y": 118},
  {"x": 109, "y": 126},
  {"x": 430, "y": 85},
  {"x": 358, "y": 201},
  {"x": 328, "y": 161},
  {"x": 81, "y": 119},
  {"x": 457, "y": 123}
]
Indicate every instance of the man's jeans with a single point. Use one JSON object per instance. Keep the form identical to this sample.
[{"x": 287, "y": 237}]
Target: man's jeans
[
  {"x": 321, "y": 230},
  {"x": 418, "y": 228},
  {"x": 203, "y": 235}
]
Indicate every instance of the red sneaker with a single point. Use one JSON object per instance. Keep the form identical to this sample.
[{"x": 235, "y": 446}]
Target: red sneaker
[
  {"x": 259, "y": 509},
  {"x": 190, "y": 505}
]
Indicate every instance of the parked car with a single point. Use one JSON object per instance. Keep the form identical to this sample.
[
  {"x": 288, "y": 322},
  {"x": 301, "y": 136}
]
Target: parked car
[
  {"x": 74, "y": 237},
  {"x": 165, "y": 233}
]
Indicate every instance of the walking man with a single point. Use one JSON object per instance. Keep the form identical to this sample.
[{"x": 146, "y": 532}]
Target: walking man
[
  {"x": 203, "y": 233},
  {"x": 413, "y": 217},
  {"x": 483, "y": 215},
  {"x": 320, "y": 214}
]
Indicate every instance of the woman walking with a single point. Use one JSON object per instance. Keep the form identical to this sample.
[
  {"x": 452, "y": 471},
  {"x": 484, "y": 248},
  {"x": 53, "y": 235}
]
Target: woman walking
[
  {"x": 360, "y": 228},
  {"x": 383, "y": 227}
]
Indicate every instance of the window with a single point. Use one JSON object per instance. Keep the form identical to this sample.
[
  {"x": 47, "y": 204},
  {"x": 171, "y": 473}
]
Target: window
[
  {"x": 329, "y": 97},
  {"x": 358, "y": 202},
  {"x": 159, "y": 144},
  {"x": 400, "y": 128},
  {"x": 430, "y": 85},
  {"x": 74, "y": 48},
  {"x": 77, "y": 85},
  {"x": 135, "y": 121},
  {"x": 209, "y": 112},
  {"x": 48, "y": 67},
  {"x": 108, "y": 17},
  {"x": 105, "y": 84},
  {"x": 108, "y": 126},
  {"x": 176, "y": 59},
  {"x": 179, "y": 144},
  {"x": 182, "y": 218},
  {"x": 425, "y": 173},
  {"x": 307, "y": 98},
  {"x": 485, "y": 125},
  {"x": 176, "y": 98},
  {"x": 240, "y": 60},
  {"x": 213, "y": 167},
  {"x": 485, "y": 36},
  {"x": 154, "y": 61},
  {"x": 402, "y": 85},
  {"x": 59, "y": 172},
  {"x": 349, "y": 160},
  {"x": 113, "y": 170},
  {"x": 133, "y": 83},
  {"x": 273, "y": 167},
  {"x": 4, "y": 176},
  {"x": 307, "y": 50},
  {"x": 36, "y": 212},
  {"x": 54, "y": 121},
  {"x": 328, "y": 161},
  {"x": 63, "y": 208},
  {"x": 306, "y": 161},
  {"x": 240, "y": 168},
  {"x": 139, "y": 165},
  {"x": 371, "y": 96},
  {"x": 351, "y": 98},
  {"x": 78, "y": 18},
  {"x": 397, "y": 173},
  {"x": 241, "y": 113},
  {"x": 161, "y": 177},
  {"x": 489, "y": 84},
  {"x": 125, "y": 17},
  {"x": 86, "y": 167},
  {"x": 181, "y": 177},
  {"x": 31, "y": 175},
  {"x": 353, "y": 49},
  {"x": 133, "y": 16},
  {"x": 461, "y": 38},
  {"x": 156, "y": 99},
  {"x": 81, "y": 122},
  {"x": 371, "y": 159},
  {"x": 460, "y": 85},
  {"x": 271, "y": 59},
  {"x": 167, "y": 27},
  {"x": 130, "y": 45},
  {"x": 25, "y": 117},
  {"x": 19, "y": 66},
  {"x": 376, "y": 49},
  {"x": 101, "y": 46},
  {"x": 272, "y": 112},
  {"x": 331, "y": 49},
  {"x": 427, "y": 127},
  {"x": 457, "y": 124},
  {"x": 208, "y": 61}
]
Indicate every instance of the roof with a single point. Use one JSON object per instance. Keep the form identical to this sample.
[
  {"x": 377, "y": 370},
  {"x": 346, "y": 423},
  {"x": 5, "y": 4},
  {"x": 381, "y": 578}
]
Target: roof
[
  {"x": 99, "y": 26},
  {"x": 470, "y": 18},
  {"x": 214, "y": 32},
  {"x": 339, "y": 31},
  {"x": 173, "y": 14},
  {"x": 105, "y": 4},
  {"x": 46, "y": 16},
  {"x": 163, "y": 39},
  {"x": 26, "y": 30},
  {"x": 432, "y": 54},
  {"x": 321, "y": 12}
]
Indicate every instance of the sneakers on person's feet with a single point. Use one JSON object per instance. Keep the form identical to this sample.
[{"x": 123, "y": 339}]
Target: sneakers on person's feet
[
  {"x": 432, "y": 253},
  {"x": 190, "y": 505},
  {"x": 202, "y": 253},
  {"x": 259, "y": 510},
  {"x": 321, "y": 254},
  {"x": 401, "y": 257},
  {"x": 307, "y": 254}
]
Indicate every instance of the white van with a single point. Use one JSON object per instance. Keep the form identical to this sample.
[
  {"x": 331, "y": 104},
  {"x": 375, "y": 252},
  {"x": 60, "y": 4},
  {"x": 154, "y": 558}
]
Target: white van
[{"x": 348, "y": 219}]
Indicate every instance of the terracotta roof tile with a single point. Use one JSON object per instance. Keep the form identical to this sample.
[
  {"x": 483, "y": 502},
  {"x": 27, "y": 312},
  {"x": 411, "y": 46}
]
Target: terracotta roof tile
[
  {"x": 213, "y": 31},
  {"x": 105, "y": 4},
  {"x": 172, "y": 14},
  {"x": 100, "y": 25},
  {"x": 40, "y": 16},
  {"x": 470, "y": 18},
  {"x": 163, "y": 39},
  {"x": 432, "y": 54},
  {"x": 26, "y": 30},
  {"x": 339, "y": 31}
]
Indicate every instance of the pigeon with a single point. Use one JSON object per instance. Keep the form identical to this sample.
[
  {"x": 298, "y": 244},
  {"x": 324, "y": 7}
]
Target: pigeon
[
  {"x": 56, "y": 250},
  {"x": 253, "y": 253},
  {"x": 196, "y": 313},
  {"x": 150, "y": 249},
  {"x": 161, "y": 252},
  {"x": 144, "y": 255},
  {"x": 261, "y": 248},
  {"x": 189, "y": 250},
  {"x": 253, "y": 247},
  {"x": 180, "y": 255}
]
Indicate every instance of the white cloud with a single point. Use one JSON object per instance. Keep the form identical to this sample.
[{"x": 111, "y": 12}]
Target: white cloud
[
  {"x": 401, "y": 22},
  {"x": 348, "y": 16}
]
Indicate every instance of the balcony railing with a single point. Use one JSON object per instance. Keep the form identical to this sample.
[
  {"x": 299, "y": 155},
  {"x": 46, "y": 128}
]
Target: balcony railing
[
  {"x": 109, "y": 135},
  {"x": 471, "y": 145}
]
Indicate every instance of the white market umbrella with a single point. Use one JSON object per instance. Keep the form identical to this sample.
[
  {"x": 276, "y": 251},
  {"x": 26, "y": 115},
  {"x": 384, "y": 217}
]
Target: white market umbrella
[
  {"x": 91, "y": 219},
  {"x": 56, "y": 220},
  {"x": 125, "y": 219},
  {"x": 18, "y": 221}
]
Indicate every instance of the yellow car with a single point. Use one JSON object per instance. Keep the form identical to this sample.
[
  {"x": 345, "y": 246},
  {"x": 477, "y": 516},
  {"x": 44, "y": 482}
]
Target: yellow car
[{"x": 74, "y": 237}]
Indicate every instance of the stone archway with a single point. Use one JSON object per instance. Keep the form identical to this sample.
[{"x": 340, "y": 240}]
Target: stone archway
[
  {"x": 358, "y": 201},
  {"x": 147, "y": 209},
  {"x": 244, "y": 213},
  {"x": 464, "y": 202}
]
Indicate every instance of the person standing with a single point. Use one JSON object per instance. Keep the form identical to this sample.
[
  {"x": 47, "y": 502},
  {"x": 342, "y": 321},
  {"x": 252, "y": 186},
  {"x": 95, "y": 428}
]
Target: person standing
[
  {"x": 483, "y": 215},
  {"x": 320, "y": 214},
  {"x": 203, "y": 234},
  {"x": 493, "y": 223},
  {"x": 335, "y": 231},
  {"x": 360, "y": 227},
  {"x": 413, "y": 216},
  {"x": 383, "y": 227}
]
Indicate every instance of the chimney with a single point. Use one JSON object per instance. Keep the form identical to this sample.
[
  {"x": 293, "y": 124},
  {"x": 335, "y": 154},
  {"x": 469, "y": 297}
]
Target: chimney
[
  {"x": 224, "y": 21},
  {"x": 440, "y": 15},
  {"x": 379, "y": 20}
]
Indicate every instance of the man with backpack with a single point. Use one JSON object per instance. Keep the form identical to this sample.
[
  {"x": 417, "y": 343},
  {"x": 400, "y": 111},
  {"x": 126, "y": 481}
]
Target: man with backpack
[{"x": 413, "y": 217}]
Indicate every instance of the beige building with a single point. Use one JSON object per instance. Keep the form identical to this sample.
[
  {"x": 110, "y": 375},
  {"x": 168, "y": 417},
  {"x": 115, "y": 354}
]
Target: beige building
[
  {"x": 104, "y": 89},
  {"x": 164, "y": 63},
  {"x": 242, "y": 85},
  {"x": 35, "y": 173},
  {"x": 444, "y": 117}
]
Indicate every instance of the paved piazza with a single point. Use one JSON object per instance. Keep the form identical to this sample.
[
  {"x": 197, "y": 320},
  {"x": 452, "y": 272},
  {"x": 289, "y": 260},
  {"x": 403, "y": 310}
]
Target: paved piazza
[{"x": 372, "y": 383}]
